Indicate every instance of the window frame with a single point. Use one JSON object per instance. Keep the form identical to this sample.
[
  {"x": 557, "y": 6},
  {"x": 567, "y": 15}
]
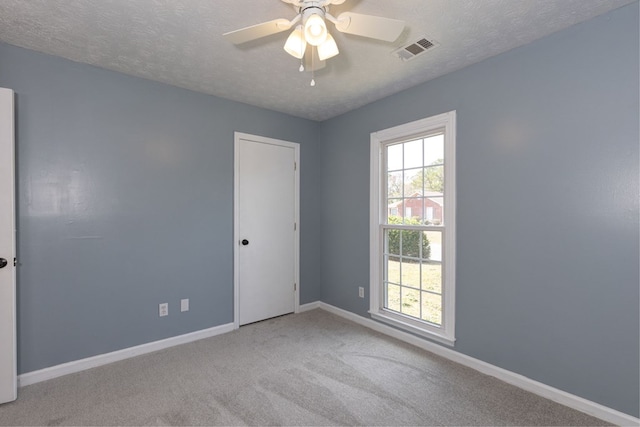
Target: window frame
[{"x": 445, "y": 122}]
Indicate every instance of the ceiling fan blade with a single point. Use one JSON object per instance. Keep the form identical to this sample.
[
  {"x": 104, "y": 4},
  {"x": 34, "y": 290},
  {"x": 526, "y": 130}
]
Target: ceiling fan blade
[
  {"x": 374, "y": 27},
  {"x": 320, "y": 3},
  {"x": 257, "y": 31}
]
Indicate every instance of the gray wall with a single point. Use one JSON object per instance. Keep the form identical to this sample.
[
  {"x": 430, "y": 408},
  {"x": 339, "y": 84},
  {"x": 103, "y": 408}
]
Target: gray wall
[
  {"x": 547, "y": 250},
  {"x": 125, "y": 200}
]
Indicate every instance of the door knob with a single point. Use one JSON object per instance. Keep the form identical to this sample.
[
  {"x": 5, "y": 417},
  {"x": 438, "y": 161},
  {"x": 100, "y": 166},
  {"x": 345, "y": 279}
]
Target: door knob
[
  {"x": 245, "y": 242},
  {"x": 3, "y": 262}
]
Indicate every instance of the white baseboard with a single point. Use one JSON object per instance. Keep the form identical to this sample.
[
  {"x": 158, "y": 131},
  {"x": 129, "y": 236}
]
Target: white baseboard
[
  {"x": 115, "y": 356},
  {"x": 572, "y": 401},
  {"x": 536, "y": 387},
  {"x": 309, "y": 306}
]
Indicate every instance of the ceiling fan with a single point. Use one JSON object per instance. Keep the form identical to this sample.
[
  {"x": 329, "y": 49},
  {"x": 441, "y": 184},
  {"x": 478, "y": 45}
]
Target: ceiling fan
[{"x": 310, "y": 29}]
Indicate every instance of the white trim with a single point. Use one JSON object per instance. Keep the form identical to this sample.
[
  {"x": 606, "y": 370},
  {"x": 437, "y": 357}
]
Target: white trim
[
  {"x": 236, "y": 230},
  {"x": 589, "y": 407},
  {"x": 9, "y": 390},
  {"x": 236, "y": 211},
  {"x": 446, "y": 333},
  {"x": 308, "y": 307},
  {"x": 115, "y": 356},
  {"x": 572, "y": 401},
  {"x": 375, "y": 235},
  {"x": 408, "y": 325}
]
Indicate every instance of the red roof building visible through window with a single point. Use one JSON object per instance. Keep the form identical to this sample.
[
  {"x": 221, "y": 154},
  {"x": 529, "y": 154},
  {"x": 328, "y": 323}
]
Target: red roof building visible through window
[{"x": 425, "y": 207}]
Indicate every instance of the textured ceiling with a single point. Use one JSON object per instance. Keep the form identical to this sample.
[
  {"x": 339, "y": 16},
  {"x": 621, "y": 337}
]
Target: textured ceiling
[{"x": 180, "y": 42}]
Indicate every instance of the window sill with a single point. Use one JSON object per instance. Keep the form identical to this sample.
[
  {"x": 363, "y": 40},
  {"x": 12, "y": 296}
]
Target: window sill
[{"x": 406, "y": 326}]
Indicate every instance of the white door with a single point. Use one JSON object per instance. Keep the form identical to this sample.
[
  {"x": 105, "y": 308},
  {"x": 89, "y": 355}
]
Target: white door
[
  {"x": 265, "y": 228},
  {"x": 8, "y": 389}
]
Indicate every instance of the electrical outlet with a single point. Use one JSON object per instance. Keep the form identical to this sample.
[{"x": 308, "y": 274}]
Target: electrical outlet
[
  {"x": 163, "y": 309},
  {"x": 361, "y": 292},
  {"x": 184, "y": 304}
]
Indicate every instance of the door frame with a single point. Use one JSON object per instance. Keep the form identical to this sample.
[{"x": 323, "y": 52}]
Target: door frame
[
  {"x": 236, "y": 212},
  {"x": 7, "y": 124}
]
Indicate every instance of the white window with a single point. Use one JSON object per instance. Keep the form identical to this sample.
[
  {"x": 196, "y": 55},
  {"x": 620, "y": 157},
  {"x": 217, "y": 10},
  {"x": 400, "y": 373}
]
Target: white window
[{"x": 412, "y": 258}]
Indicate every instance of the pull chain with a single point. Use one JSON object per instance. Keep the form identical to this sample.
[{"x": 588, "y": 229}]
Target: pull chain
[
  {"x": 302, "y": 46},
  {"x": 313, "y": 67}
]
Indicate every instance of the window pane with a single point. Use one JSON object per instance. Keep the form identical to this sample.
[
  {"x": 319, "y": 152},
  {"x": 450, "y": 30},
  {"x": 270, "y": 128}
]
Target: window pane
[
  {"x": 434, "y": 206},
  {"x": 432, "y": 277},
  {"x": 421, "y": 215},
  {"x": 432, "y": 308},
  {"x": 432, "y": 246},
  {"x": 393, "y": 298},
  {"x": 407, "y": 213},
  {"x": 413, "y": 210},
  {"x": 394, "y": 157},
  {"x": 394, "y": 184},
  {"x": 434, "y": 180},
  {"x": 392, "y": 244},
  {"x": 413, "y": 154},
  {"x": 434, "y": 150},
  {"x": 394, "y": 211},
  {"x": 392, "y": 271},
  {"x": 413, "y": 182},
  {"x": 411, "y": 273},
  {"x": 411, "y": 240},
  {"x": 410, "y": 302}
]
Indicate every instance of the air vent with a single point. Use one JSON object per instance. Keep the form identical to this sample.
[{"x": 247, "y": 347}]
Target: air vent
[{"x": 410, "y": 51}]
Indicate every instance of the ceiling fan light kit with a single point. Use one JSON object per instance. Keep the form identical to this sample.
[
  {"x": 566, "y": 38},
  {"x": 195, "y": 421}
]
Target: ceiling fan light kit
[
  {"x": 313, "y": 29},
  {"x": 328, "y": 49},
  {"x": 296, "y": 44}
]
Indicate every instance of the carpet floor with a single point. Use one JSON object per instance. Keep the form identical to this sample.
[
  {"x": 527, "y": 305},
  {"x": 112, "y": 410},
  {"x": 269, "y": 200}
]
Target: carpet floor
[{"x": 312, "y": 368}]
